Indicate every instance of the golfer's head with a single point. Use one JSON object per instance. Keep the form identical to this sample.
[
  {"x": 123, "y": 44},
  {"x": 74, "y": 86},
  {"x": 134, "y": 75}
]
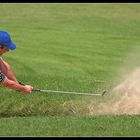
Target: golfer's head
[{"x": 5, "y": 40}]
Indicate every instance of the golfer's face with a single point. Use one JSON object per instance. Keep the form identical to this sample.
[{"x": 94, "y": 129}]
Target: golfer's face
[{"x": 3, "y": 49}]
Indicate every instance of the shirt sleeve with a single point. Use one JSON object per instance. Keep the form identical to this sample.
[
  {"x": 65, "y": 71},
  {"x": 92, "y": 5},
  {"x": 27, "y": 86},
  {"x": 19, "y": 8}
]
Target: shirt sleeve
[{"x": 2, "y": 77}]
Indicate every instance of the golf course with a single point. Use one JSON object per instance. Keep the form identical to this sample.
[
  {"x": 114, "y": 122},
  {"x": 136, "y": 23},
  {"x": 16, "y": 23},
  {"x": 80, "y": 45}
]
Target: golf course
[{"x": 75, "y": 47}]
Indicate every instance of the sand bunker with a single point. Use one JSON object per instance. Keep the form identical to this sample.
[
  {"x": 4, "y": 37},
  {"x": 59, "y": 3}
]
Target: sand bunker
[{"x": 125, "y": 98}]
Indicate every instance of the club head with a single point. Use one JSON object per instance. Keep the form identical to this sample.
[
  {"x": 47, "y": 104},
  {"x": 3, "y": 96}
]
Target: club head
[{"x": 103, "y": 93}]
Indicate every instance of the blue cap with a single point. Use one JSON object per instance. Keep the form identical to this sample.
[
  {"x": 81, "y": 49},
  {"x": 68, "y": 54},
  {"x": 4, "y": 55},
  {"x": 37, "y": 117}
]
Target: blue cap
[{"x": 5, "y": 39}]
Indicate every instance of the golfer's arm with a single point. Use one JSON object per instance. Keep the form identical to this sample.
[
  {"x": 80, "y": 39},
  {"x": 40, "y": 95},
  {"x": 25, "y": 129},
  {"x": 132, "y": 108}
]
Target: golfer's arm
[
  {"x": 9, "y": 72},
  {"x": 12, "y": 84}
]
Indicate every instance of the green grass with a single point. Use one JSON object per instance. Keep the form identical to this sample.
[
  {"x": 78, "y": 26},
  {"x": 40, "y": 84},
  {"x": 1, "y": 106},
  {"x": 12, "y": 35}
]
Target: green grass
[
  {"x": 70, "y": 126},
  {"x": 68, "y": 47}
]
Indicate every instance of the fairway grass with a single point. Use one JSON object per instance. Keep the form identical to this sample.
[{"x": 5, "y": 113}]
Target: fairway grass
[
  {"x": 70, "y": 126},
  {"x": 68, "y": 47}
]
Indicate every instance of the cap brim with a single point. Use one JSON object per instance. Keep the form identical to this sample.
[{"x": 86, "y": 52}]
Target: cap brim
[{"x": 12, "y": 46}]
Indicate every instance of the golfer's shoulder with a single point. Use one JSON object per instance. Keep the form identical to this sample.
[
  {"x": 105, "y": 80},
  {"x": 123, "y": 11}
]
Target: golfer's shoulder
[{"x": 1, "y": 59}]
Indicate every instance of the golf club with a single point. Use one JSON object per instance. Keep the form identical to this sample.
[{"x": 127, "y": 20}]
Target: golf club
[{"x": 58, "y": 91}]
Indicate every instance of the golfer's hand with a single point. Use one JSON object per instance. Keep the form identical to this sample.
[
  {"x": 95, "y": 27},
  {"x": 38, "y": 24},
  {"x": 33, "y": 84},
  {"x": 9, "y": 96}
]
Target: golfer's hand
[{"x": 27, "y": 89}]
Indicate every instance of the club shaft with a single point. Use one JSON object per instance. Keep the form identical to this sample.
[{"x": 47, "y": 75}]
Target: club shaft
[{"x": 58, "y": 91}]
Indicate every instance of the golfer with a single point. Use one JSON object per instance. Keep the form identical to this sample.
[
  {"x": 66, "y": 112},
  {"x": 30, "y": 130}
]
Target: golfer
[{"x": 7, "y": 77}]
